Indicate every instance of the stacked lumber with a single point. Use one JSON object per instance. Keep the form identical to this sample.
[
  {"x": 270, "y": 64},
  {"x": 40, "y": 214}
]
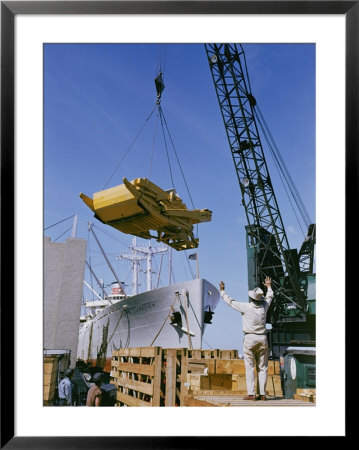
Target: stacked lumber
[
  {"x": 51, "y": 364},
  {"x": 305, "y": 395}
]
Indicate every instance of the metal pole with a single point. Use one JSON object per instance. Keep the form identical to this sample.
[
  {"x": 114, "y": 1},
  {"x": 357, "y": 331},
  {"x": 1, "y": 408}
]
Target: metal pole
[
  {"x": 98, "y": 281},
  {"x": 149, "y": 267},
  {"x": 104, "y": 254},
  {"x": 135, "y": 271},
  {"x": 169, "y": 266},
  {"x": 74, "y": 227}
]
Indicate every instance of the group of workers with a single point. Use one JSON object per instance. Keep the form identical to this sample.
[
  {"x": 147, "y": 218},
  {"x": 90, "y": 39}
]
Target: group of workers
[{"x": 66, "y": 390}]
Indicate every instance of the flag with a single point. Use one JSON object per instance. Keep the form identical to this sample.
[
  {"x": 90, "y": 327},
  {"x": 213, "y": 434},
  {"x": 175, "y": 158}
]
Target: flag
[{"x": 193, "y": 256}]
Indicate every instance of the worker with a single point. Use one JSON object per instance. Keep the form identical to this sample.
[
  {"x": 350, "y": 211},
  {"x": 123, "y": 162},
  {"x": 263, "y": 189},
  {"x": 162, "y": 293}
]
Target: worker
[
  {"x": 66, "y": 389},
  {"x": 255, "y": 343},
  {"x": 94, "y": 395}
]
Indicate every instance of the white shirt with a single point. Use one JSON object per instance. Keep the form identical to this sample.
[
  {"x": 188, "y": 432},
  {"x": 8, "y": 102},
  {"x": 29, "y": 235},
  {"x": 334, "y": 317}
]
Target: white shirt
[
  {"x": 65, "y": 390},
  {"x": 254, "y": 313}
]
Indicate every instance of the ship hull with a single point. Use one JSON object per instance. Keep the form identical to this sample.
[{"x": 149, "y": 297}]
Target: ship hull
[{"x": 145, "y": 320}]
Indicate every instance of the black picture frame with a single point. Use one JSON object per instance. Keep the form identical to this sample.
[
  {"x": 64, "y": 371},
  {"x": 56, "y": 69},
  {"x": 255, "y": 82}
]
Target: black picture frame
[{"x": 9, "y": 10}]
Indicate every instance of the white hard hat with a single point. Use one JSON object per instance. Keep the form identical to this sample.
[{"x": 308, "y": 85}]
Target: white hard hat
[{"x": 256, "y": 294}]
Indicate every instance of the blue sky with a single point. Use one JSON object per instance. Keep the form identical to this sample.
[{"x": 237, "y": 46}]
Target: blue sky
[{"x": 96, "y": 99}]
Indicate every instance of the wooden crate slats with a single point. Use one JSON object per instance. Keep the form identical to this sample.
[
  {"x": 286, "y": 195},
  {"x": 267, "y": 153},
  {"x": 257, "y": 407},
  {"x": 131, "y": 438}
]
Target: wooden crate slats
[
  {"x": 130, "y": 400},
  {"x": 156, "y": 395},
  {"x": 171, "y": 377},
  {"x": 139, "y": 386},
  {"x": 183, "y": 377},
  {"x": 147, "y": 352},
  {"x": 156, "y": 376},
  {"x": 144, "y": 369}
]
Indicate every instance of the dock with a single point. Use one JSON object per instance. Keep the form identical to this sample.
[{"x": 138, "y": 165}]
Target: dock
[
  {"x": 228, "y": 398},
  {"x": 155, "y": 376}
]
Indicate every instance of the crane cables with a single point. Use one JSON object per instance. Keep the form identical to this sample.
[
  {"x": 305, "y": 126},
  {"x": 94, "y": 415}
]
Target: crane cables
[
  {"x": 129, "y": 147},
  {"x": 278, "y": 160},
  {"x": 282, "y": 170}
]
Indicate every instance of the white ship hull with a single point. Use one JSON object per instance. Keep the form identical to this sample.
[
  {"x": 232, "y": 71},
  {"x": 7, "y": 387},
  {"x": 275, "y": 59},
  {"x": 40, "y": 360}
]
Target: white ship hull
[{"x": 143, "y": 320}]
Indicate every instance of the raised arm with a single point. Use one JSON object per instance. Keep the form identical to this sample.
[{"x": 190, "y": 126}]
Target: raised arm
[
  {"x": 229, "y": 300},
  {"x": 268, "y": 284}
]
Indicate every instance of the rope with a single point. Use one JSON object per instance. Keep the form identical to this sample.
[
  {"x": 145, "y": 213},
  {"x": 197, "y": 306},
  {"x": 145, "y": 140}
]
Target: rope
[
  {"x": 130, "y": 146},
  {"x": 281, "y": 178},
  {"x": 165, "y": 141},
  {"x": 187, "y": 322},
  {"x": 179, "y": 164},
  {"x": 63, "y": 220},
  {"x": 159, "y": 331},
  {"x": 153, "y": 146},
  {"x": 159, "y": 59},
  {"x": 63, "y": 234},
  {"x": 282, "y": 167},
  {"x": 118, "y": 322}
]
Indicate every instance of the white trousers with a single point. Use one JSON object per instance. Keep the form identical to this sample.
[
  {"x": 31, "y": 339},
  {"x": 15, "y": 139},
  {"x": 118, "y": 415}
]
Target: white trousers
[{"x": 255, "y": 350}]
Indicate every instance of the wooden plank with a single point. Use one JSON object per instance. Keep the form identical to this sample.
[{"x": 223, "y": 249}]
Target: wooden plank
[
  {"x": 236, "y": 400},
  {"x": 50, "y": 367},
  {"x": 230, "y": 366},
  {"x": 207, "y": 392},
  {"x": 171, "y": 377},
  {"x": 191, "y": 401},
  {"x": 303, "y": 398},
  {"x": 274, "y": 386},
  {"x": 226, "y": 354},
  {"x": 156, "y": 396},
  {"x": 214, "y": 382},
  {"x": 130, "y": 401},
  {"x": 183, "y": 376},
  {"x": 145, "y": 388},
  {"x": 144, "y": 369},
  {"x": 145, "y": 352},
  {"x": 49, "y": 378},
  {"x": 150, "y": 352},
  {"x": 196, "y": 354},
  {"x": 305, "y": 391}
]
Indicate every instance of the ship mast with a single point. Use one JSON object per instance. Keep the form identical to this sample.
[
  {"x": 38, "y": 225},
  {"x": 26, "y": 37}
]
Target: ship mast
[
  {"x": 149, "y": 251},
  {"x": 135, "y": 264},
  {"x": 139, "y": 254}
]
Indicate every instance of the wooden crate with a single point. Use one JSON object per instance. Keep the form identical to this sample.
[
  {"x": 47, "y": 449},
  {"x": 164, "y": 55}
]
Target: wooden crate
[
  {"x": 155, "y": 376},
  {"x": 50, "y": 368},
  {"x": 137, "y": 374},
  {"x": 149, "y": 376}
]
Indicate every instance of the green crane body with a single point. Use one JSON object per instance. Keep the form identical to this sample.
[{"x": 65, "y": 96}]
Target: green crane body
[{"x": 292, "y": 314}]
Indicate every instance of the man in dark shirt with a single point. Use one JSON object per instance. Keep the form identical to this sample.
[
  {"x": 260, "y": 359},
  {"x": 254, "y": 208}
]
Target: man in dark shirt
[{"x": 94, "y": 395}]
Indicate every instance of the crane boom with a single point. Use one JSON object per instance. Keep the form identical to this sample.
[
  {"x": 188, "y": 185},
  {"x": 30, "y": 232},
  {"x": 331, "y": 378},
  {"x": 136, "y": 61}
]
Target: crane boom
[{"x": 265, "y": 231}]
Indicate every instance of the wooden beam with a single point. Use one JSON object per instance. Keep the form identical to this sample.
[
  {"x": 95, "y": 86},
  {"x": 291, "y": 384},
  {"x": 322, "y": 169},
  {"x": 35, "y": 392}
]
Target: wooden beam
[
  {"x": 144, "y": 369},
  {"x": 139, "y": 386},
  {"x": 190, "y": 401},
  {"x": 131, "y": 401},
  {"x": 171, "y": 377},
  {"x": 156, "y": 397}
]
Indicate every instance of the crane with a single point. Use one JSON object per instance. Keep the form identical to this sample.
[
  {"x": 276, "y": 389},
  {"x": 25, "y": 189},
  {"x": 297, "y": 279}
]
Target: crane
[{"x": 292, "y": 314}]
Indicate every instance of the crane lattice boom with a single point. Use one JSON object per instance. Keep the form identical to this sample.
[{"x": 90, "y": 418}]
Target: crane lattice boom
[{"x": 265, "y": 230}]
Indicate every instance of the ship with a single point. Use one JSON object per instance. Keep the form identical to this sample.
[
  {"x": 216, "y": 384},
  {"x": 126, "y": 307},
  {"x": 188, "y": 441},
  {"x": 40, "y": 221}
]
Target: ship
[{"x": 173, "y": 316}]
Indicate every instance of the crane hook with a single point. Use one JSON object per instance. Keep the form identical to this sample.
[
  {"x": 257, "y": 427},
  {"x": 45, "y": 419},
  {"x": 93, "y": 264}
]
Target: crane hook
[{"x": 159, "y": 87}]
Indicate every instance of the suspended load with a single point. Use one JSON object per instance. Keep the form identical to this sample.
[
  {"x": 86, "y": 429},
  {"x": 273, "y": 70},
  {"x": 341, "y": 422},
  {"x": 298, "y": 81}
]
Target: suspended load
[{"x": 139, "y": 207}]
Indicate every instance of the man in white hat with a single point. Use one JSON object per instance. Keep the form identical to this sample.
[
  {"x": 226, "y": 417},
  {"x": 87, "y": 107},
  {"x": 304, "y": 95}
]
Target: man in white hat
[{"x": 255, "y": 343}]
